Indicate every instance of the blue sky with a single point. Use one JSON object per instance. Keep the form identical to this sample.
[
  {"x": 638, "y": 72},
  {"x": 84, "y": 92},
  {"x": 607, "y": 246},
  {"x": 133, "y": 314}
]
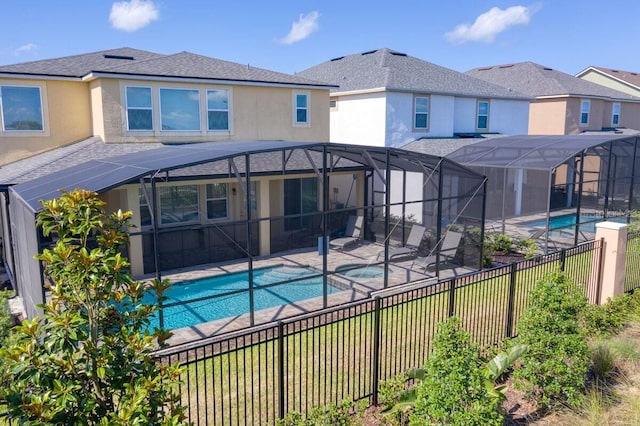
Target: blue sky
[{"x": 290, "y": 36}]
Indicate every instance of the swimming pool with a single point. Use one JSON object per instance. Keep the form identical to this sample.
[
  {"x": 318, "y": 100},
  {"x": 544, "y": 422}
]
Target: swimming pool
[
  {"x": 568, "y": 221},
  {"x": 308, "y": 284}
]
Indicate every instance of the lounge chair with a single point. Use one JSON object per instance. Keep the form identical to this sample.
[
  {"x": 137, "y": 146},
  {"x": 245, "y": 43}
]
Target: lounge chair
[
  {"x": 411, "y": 246},
  {"x": 447, "y": 252},
  {"x": 351, "y": 235}
]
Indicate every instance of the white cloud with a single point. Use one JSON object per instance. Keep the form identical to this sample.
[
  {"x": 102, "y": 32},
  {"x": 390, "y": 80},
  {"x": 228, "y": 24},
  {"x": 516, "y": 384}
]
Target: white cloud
[
  {"x": 302, "y": 28},
  {"x": 488, "y": 25},
  {"x": 133, "y": 15},
  {"x": 24, "y": 49}
]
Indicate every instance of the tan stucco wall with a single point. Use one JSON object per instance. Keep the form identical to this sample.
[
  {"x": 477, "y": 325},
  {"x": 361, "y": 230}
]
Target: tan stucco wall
[
  {"x": 262, "y": 113},
  {"x": 629, "y": 115},
  {"x": 609, "y": 82},
  {"x": 66, "y": 116},
  {"x": 547, "y": 117}
]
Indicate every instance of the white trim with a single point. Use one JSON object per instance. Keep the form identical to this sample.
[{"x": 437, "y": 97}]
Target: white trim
[
  {"x": 43, "y": 113},
  {"x": 207, "y": 199},
  {"x": 606, "y": 74},
  {"x": 297, "y": 123},
  {"x": 229, "y": 116},
  {"x": 37, "y": 77},
  {"x": 613, "y": 113},
  {"x": 478, "y": 115},
  {"x": 415, "y": 113}
]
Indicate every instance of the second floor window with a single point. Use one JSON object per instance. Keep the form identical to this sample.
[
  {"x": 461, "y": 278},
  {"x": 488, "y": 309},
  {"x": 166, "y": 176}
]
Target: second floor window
[
  {"x": 584, "y": 112},
  {"x": 483, "y": 115},
  {"x": 218, "y": 109},
  {"x": 615, "y": 114},
  {"x": 139, "y": 108},
  {"x": 180, "y": 109},
  {"x": 21, "y": 108},
  {"x": 421, "y": 113},
  {"x": 301, "y": 108}
]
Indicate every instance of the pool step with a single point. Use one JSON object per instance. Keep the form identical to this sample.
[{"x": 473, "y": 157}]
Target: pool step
[{"x": 281, "y": 274}]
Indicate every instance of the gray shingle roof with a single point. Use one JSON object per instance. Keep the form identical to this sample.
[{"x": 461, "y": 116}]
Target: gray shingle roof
[
  {"x": 537, "y": 80},
  {"x": 385, "y": 68},
  {"x": 442, "y": 147},
  {"x": 139, "y": 62}
]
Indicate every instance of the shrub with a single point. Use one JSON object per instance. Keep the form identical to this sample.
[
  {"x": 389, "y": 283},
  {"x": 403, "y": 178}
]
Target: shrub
[
  {"x": 554, "y": 368},
  {"x": 453, "y": 390},
  {"x": 333, "y": 414},
  {"x": 86, "y": 362},
  {"x": 528, "y": 247},
  {"x": 6, "y": 320}
]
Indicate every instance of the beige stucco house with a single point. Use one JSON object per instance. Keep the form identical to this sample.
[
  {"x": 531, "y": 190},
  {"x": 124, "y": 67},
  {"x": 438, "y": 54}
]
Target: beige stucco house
[
  {"x": 620, "y": 80},
  {"x": 564, "y": 104}
]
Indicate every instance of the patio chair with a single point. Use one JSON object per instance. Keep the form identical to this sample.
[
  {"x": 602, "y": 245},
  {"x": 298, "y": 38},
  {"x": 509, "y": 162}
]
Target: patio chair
[
  {"x": 447, "y": 252},
  {"x": 351, "y": 235},
  {"x": 411, "y": 246}
]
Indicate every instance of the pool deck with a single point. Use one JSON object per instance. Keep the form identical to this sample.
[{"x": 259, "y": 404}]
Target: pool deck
[{"x": 402, "y": 272}]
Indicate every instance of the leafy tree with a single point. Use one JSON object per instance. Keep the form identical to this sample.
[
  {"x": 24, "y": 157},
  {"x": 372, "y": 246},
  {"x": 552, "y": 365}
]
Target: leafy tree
[
  {"x": 554, "y": 369},
  {"x": 89, "y": 359}
]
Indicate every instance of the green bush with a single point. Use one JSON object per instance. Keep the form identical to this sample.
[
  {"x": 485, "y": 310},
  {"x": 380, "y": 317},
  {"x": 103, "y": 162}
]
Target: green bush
[
  {"x": 345, "y": 413},
  {"x": 453, "y": 390},
  {"x": 613, "y": 315},
  {"x": 554, "y": 369},
  {"x": 6, "y": 320}
]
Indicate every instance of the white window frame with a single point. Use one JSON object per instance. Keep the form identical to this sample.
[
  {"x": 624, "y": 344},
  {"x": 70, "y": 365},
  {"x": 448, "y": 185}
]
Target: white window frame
[
  {"x": 161, "y": 222},
  {"x": 138, "y": 108},
  {"x": 186, "y": 89},
  {"x": 615, "y": 114},
  {"x": 584, "y": 102},
  {"x": 415, "y": 113},
  {"x": 225, "y": 198},
  {"x": 228, "y": 110},
  {"x": 296, "y": 108},
  {"x": 43, "y": 113},
  {"x": 478, "y": 115}
]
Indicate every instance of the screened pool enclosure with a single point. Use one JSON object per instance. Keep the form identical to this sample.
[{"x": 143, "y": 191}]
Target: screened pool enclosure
[
  {"x": 556, "y": 187},
  {"x": 241, "y": 206}
]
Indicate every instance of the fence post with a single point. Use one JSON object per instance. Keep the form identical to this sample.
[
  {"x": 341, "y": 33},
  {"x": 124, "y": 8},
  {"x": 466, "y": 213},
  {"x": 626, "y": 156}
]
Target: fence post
[
  {"x": 512, "y": 292},
  {"x": 376, "y": 350},
  {"x": 452, "y": 297},
  {"x": 281, "y": 369},
  {"x": 615, "y": 252},
  {"x": 563, "y": 258}
]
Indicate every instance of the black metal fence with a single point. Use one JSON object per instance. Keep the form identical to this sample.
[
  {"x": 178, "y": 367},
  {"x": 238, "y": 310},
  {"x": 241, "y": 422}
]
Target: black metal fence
[
  {"x": 257, "y": 375},
  {"x": 632, "y": 262}
]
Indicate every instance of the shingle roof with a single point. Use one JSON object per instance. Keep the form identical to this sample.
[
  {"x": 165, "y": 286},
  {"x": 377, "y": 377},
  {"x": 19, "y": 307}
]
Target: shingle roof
[
  {"x": 385, "y": 68},
  {"x": 633, "y": 78},
  {"x": 442, "y": 147},
  {"x": 127, "y": 61},
  {"x": 537, "y": 80}
]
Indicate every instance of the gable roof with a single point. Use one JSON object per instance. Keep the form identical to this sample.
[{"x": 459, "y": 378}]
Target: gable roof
[
  {"x": 629, "y": 77},
  {"x": 390, "y": 70},
  {"x": 540, "y": 81},
  {"x": 133, "y": 62}
]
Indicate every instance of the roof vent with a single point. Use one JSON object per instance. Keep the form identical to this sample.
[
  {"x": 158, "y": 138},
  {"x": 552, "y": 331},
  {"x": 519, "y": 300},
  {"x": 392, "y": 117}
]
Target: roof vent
[
  {"x": 125, "y": 57},
  {"x": 398, "y": 54},
  {"x": 547, "y": 69},
  {"x": 615, "y": 71},
  {"x": 369, "y": 52},
  {"x": 634, "y": 73},
  {"x": 484, "y": 69},
  {"x": 337, "y": 59},
  {"x": 506, "y": 66}
]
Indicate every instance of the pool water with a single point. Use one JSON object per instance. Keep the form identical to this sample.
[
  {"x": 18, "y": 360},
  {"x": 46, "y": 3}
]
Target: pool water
[
  {"x": 308, "y": 284},
  {"x": 361, "y": 270},
  {"x": 568, "y": 221}
]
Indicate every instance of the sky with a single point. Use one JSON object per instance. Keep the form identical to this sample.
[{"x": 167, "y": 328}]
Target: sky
[{"x": 291, "y": 36}]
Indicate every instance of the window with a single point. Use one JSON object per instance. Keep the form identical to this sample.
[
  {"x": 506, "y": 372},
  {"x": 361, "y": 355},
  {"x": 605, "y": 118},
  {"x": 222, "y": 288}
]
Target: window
[
  {"x": 333, "y": 103},
  {"x": 302, "y": 108},
  {"x": 216, "y": 200},
  {"x": 483, "y": 115},
  {"x": 178, "y": 204},
  {"x": 300, "y": 197},
  {"x": 139, "y": 108},
  {"x": 180, "y": 109},
  {"x": 21, "y": 108},
  {"x": 420, "y": 112},
  {"x": 218, "y": 109},
  {"x": 584, "y": 112},
  {"x": 615, "y": 114},
  {"x": 145, "y": 209}
]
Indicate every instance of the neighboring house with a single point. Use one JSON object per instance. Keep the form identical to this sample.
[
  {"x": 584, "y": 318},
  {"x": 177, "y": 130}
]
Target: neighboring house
[
  {"x": 564, "y": 104},
  {"x": 387, "y": 98},
  {"x": 128, "y": 95},
  {"x": 622, "y": 81}
]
